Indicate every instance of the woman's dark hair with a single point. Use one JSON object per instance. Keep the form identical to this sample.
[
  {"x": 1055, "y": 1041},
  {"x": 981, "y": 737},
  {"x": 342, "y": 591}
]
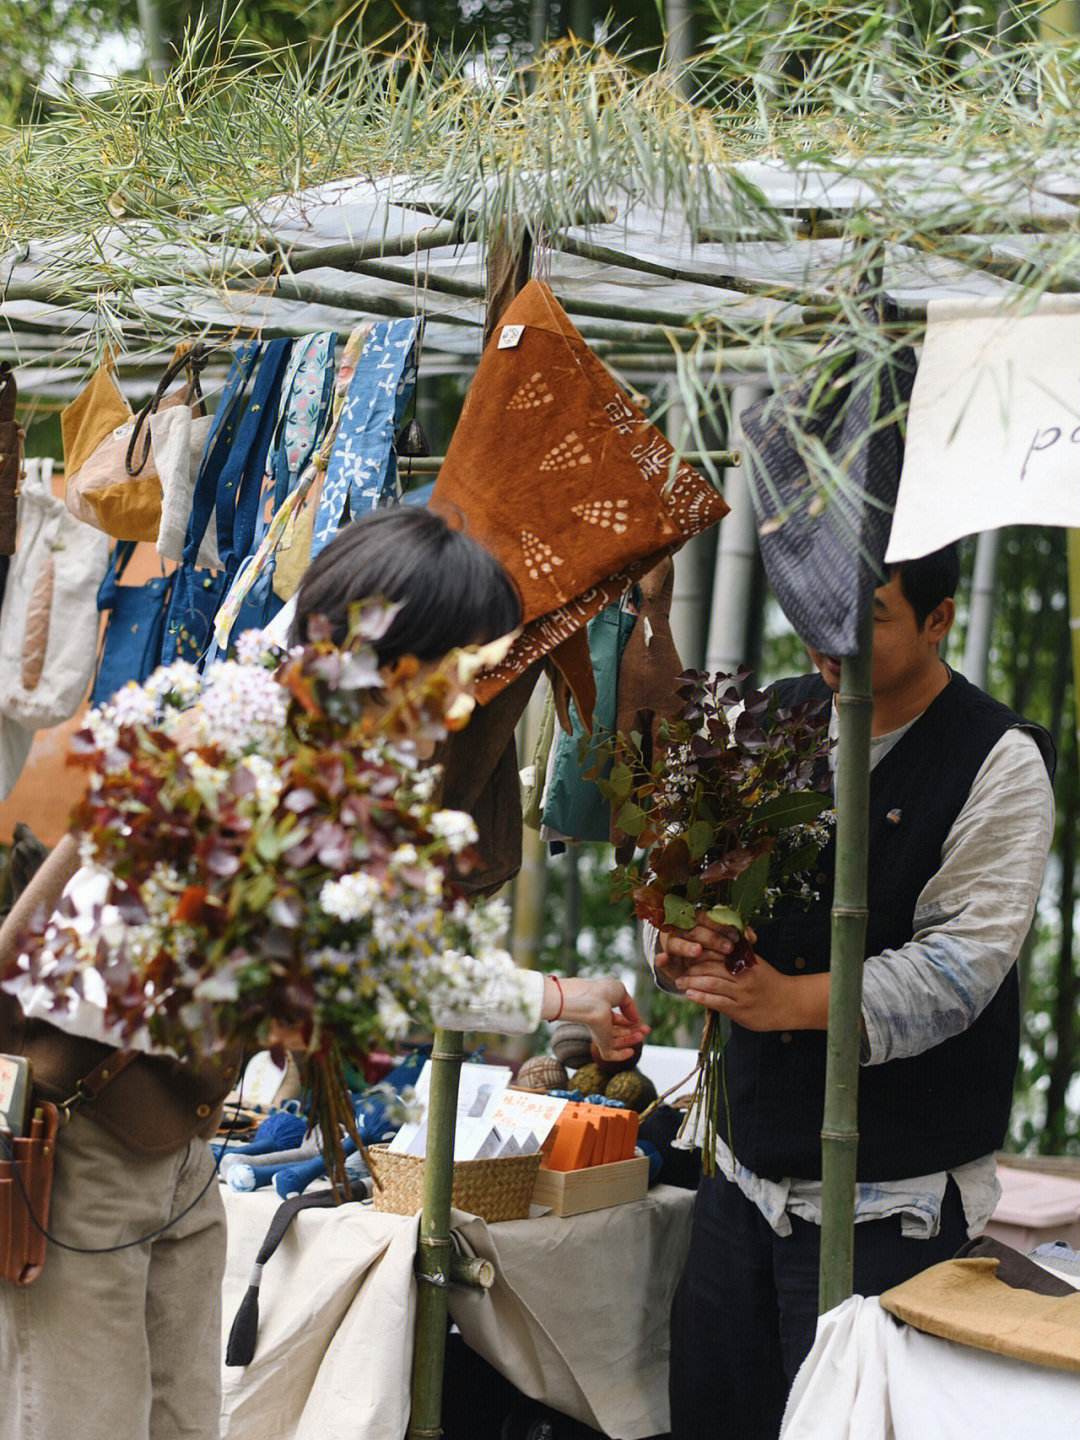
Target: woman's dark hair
[
  {"x": 929, "y": 580},
  {"x": 451, "y": 590}
]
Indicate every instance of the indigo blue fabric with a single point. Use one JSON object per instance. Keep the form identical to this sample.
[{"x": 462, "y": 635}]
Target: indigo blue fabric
[
  {"x": 186, "y": 628},
  {"x": 303, "y": 412},
  {"x": 132, "y": 644},
  {"x": 229, "y": 484},
  {"x": 362, "y": 473},
  {"x": 574, "y": 807}
]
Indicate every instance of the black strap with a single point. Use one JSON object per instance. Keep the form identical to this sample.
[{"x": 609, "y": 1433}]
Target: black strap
[
  {"x": 244, "y": 1332},
  {"x": 192, "y": 359}
]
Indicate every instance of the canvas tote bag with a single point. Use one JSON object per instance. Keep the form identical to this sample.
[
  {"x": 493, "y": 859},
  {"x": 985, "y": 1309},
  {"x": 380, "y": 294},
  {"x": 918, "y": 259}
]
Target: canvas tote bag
[
  {"x": 49, "y": 623},
  {"x": 112, "y": 480}
]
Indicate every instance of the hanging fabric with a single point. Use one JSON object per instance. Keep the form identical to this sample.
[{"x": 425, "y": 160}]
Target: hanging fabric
[
  {"x": 48, "y": 628},
  {"x": 823, "y": 545},
  {"x": 178, "y": 438},
  {"x": 228, "y": 487},
  {"x": 573, "y": 806},
  {"x": 590, "y": 496},
  {"x": 116, "y": 486},
  {"x": 280, "y": 537},
  {"x": 131, "y": 648},
  {"x": 303, "y": 413},
  {"x": 362, "y": 474}
]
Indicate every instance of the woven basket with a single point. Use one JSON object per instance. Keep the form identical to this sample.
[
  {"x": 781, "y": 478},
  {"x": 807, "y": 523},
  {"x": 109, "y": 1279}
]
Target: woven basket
[{"x": 491, "y": 1189}]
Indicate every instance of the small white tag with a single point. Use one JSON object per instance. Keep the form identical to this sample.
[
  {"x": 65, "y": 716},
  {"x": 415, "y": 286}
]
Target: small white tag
[
  {"x": 510, "y": 336},
  {"x": 648, "y": 631}
]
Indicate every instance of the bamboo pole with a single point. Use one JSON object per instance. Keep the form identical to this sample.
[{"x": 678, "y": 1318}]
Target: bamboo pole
[
  {"x": 839, "y": 1132},
  {"x": 435, "y": 1250},
  {"x": 432, "y": 464},
  {"x": 157, "y": 56},
  {"x": 981, "y": 611},
  {"x": 728, "y": 644},
  {"x": 605, "y": 255}
]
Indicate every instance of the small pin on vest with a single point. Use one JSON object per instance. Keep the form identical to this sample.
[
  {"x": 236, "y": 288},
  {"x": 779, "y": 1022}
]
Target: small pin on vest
[{"x": 894, "y": 817}]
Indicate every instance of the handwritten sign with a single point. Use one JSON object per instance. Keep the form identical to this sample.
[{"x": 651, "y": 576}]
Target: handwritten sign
[{"x": 993, "y": 434}]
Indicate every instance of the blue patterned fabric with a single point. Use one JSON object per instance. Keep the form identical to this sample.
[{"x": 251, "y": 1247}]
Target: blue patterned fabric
[
  {"x": 303, "y": 412},
  {"x": 363, "y": 466}
]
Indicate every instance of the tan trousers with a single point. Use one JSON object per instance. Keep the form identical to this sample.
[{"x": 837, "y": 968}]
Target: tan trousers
[{"x": 124, "y": 1346}]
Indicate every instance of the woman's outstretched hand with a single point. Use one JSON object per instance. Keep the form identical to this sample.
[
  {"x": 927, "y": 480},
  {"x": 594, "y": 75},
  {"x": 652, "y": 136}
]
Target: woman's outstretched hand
[{"x": 605, "y": 1006}]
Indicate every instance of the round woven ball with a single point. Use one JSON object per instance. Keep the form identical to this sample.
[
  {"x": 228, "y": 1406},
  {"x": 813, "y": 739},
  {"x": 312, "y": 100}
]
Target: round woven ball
[
  {"x": 636, "y": 1091},
  {"x": 591, "y": 1080},
  {"x": 571, "y": 1043},
  {"x": 542, "y": 1072}
]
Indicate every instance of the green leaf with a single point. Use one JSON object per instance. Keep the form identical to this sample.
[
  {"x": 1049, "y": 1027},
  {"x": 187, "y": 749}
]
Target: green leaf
[
  {"x": 748, "y": 891},
  {"x": 798, "y": 808},
  {"x": 631, "y": 819},
  {"x": 621, "y": 781},
  {"x": 679, "y": 912},
  {"x": 699, "y": 837},
  {"x": 724, "y": 915}
]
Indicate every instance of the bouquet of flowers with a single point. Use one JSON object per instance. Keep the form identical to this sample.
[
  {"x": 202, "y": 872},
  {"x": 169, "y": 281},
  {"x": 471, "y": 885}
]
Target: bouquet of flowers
[
  {"x": 274, "y": 859},
  {"x": 732, "y": 815}
]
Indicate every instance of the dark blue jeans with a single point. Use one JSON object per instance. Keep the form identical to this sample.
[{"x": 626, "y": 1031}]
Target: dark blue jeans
[{"x": 745, "y": 1311}]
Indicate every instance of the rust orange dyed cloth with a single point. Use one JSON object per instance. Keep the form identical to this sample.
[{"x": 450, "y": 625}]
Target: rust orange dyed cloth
[{"x": 555, "y": 470}]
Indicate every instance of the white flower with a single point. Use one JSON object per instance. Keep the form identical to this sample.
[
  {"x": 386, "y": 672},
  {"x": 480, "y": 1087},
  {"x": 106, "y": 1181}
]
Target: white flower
[
  {"x": 132, "y": 705},
  {"x": 455, "y": 827},
  {"x": 254, "y": 647},
  {"x": 353, "y": 897},
  {"x": 242, "y": 709},
  {"x": 178, "y": 684},
  {"x": 267, "y": 780},
  {"x": 393, "y": 1017},
  {"x": 404, "y": 856}
]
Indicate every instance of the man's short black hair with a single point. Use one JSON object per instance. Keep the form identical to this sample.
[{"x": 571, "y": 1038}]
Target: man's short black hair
[
  {"x": 452, "y": 591},
  {"x": 929, "y": 580}
]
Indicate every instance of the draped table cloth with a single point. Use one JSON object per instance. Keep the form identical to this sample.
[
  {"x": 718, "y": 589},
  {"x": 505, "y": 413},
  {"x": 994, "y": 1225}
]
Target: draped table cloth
[{"x": 577, "y": 1318}]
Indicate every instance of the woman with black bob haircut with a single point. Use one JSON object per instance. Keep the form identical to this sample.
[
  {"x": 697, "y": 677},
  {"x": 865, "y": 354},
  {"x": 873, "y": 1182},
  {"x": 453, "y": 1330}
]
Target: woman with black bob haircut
[
  {"x": 453, "y": 593},
  {"x": 451, "y": 590}
]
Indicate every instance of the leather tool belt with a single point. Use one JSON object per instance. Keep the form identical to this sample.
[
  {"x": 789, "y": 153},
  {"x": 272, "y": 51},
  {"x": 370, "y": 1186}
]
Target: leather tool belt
[{"x": 26, "y": 1177}]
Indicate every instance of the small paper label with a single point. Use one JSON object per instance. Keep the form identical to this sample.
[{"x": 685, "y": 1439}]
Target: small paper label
[{"x": 510, "y": 336}]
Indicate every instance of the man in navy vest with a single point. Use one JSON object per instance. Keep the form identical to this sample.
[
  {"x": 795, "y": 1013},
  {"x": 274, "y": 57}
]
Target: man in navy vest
[{"x": 961, "y": 821}]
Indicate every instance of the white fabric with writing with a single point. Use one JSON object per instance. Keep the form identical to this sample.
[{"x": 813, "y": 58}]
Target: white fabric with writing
[{"x": 993, "y": 433}]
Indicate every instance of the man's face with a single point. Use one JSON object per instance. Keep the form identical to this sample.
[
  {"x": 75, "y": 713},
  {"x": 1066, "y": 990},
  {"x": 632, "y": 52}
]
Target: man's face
[{"x": 902, "y": 648}]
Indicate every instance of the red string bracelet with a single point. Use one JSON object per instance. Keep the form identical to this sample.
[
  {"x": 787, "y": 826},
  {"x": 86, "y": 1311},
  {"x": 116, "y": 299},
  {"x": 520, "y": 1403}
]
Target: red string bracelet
[{"x": 562, "y": 999}]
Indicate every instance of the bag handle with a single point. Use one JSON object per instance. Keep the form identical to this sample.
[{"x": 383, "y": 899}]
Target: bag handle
[
  {"x": 189, "y": 358},
  {"x": 119, "y": 560}
]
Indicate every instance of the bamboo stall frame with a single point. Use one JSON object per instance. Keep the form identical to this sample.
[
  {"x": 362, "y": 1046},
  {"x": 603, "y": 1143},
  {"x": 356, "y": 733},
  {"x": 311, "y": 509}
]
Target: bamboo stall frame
[{"x": 807, "y": 313}]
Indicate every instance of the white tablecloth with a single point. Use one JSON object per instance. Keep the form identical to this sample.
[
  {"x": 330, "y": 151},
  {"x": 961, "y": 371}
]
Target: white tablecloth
[
  {"x": 578, "y": 1316},
  {"x": 870, "y": 1378}
]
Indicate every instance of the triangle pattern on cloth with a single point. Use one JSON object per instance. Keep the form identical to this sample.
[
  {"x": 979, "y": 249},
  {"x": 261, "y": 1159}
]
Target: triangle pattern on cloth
[{"x": 530, "y": 395}]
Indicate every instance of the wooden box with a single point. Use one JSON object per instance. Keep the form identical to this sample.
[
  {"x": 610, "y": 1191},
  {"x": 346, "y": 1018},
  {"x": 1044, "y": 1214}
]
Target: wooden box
[{"x": 573, "y": 1192}]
